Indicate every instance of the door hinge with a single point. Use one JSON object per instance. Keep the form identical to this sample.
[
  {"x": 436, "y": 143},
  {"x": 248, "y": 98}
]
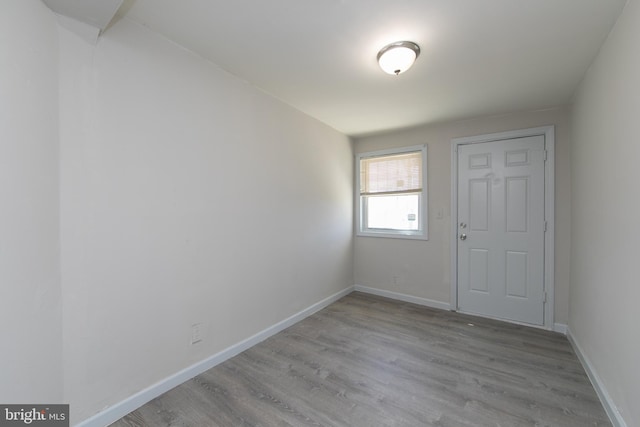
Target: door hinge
[
  {"x": 545, "y": 155},
  {"x": 545, "y": 226}
]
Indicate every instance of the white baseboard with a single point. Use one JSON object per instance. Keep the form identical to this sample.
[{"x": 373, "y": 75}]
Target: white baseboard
[
  {"x": 557, "y": 327},
  {"x": 560, "y": 327},
  {"x": 120, "y": 409},
  {"x": 403, "y": 297},
  {"x": 609, "y": 407}
]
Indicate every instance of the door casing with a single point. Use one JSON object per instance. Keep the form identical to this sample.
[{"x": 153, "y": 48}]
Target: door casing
[{"x": 549, "y": 197}]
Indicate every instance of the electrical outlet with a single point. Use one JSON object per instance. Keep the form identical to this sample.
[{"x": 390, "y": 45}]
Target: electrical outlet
[{"x": 196, "y": 333}]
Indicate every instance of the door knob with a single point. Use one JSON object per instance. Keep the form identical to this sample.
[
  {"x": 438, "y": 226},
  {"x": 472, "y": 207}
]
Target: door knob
[{"x": 463, "y": 236}]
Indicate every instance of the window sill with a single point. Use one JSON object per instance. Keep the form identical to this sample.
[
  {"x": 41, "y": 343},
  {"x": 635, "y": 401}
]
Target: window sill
[{"x": 399, "y": 235}]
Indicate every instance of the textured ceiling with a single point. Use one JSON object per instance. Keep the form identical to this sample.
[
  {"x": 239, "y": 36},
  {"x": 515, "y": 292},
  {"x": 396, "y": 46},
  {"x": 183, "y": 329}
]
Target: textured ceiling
[{"x": 478, "y": 57}]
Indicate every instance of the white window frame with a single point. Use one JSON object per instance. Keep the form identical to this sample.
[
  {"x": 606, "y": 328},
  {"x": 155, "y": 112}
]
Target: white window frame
[{"x": 422, "y": 232}]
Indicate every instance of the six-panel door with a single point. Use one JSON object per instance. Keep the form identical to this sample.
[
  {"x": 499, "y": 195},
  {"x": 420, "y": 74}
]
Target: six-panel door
[{"x": 501, "y": 229}]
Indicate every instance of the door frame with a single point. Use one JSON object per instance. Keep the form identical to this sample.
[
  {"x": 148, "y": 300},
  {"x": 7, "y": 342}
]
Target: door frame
[{"x": 549, "y": 211}]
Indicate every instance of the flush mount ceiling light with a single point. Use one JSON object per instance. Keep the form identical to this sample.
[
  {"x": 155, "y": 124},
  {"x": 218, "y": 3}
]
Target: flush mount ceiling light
[{"x": 396, "y": 58}]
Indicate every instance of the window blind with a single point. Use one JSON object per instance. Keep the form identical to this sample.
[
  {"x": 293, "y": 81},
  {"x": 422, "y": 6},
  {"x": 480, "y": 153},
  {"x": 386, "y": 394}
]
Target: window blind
[{"x": 397, "y": 173}]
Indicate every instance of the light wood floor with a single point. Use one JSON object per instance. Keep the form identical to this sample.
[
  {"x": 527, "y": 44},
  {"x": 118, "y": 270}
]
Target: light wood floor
[{"x": 369, "y": 361}]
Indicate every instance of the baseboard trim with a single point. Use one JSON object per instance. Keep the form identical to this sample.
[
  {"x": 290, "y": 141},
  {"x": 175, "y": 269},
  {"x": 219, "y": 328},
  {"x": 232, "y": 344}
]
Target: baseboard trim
[
  {"x": 120, "y": 409},
  {"x": 560, "y": 327},
  {"x": 608, "y": 404},
  {"x": 403, "y": 297}
]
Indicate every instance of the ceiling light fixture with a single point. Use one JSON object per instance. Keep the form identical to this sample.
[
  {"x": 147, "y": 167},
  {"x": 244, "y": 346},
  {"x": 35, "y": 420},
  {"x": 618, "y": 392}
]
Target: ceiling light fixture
[{"x": 396, "y": 58}]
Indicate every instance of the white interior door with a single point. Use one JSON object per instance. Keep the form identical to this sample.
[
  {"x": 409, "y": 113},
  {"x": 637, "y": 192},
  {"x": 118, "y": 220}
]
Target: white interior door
[{"x": 501, "y": 229}]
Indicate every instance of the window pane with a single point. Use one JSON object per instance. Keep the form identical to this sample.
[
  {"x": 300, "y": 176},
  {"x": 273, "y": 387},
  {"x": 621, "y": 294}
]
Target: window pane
[{"x": 393, "y": 212}]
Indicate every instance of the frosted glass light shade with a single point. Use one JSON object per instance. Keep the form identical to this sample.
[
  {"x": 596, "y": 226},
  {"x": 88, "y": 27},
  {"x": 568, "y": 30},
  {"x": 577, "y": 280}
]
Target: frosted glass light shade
[{"x": 398, "y": 57}]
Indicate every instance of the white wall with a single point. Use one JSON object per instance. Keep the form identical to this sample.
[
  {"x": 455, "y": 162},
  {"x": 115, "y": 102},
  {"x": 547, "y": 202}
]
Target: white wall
[
  {"x": 187, "y": 196},
  {"x": 30, "y": 322},
  {"x": 605, "y": 284},
  {"x": 422, "y": 268}
]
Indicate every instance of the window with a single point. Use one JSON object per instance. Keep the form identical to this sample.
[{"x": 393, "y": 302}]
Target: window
[{"x": 392, "y": 193}]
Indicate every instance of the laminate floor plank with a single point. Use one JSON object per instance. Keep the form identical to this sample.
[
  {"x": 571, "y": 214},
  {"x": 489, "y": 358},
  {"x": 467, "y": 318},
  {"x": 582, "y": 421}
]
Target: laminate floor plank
[{"x": 370, "y": 361}]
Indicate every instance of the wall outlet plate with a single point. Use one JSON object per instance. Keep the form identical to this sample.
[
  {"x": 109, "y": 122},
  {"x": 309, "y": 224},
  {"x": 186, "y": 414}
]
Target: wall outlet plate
[{"x": 196, "y": 333}]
